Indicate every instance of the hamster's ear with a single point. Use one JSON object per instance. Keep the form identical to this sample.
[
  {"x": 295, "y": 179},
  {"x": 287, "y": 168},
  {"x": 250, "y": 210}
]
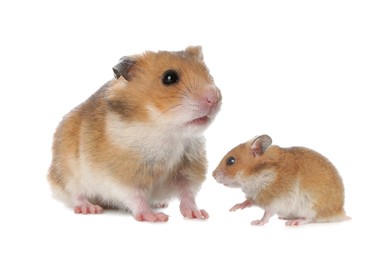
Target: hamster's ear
[
  {"x": 195, "y": 51},
  {"x": 122, "y": 68},
  {"x": 260, "y": 144}
]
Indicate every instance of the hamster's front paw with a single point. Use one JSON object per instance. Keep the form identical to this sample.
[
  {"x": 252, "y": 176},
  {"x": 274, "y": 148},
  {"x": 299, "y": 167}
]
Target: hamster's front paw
[
  {"x": 188, "y": 206},
  {"x": 83, "y": 206},
  {"x": 247, "y": 203},
  {"x": 190, "y": 211},
  {"x": 193, "y": 213}
]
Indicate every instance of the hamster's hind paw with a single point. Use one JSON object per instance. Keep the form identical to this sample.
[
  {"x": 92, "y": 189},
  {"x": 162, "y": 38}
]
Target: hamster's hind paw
[
  {"x": 259, "y": 222},
  {"x": 151, "y": 217},
  {"x": 297, "y": 222}
]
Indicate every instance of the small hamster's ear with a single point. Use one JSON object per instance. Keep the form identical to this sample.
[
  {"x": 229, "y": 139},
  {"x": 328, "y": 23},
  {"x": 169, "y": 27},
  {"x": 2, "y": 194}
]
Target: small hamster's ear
[
  {"x": 122, "y": 68},
  {"x": 195, "y": 51},
  {"x": 260, "y": 144}
]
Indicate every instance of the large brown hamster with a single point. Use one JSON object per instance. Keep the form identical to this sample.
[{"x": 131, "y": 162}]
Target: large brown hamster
[
  {"x": 298, "y": 184},
  {"x": 138, "y": 141}
]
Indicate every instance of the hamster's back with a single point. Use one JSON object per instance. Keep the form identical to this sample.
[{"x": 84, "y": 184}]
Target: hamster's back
[
  {"x": 319, "y": 178},
  {"x": 67, "y": 138}
]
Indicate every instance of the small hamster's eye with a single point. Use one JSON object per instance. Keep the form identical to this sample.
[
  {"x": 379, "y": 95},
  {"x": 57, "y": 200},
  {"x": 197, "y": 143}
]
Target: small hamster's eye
[
  {"x": 170, "y": 77},
  {"x": 230, "y": 161}
]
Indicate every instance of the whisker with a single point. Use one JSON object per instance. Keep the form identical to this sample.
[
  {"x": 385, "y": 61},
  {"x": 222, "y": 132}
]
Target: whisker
[
  {"x": 170, "y": 108},
  {"x": 181, "y": 91},
  {"x": 187, "y": 86}
]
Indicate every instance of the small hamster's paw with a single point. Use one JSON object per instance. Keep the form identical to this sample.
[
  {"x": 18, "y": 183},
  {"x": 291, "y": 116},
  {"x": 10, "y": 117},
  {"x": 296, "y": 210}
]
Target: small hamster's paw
[
  {"x": 242, "y": 205},
  {"x": 264, "y": 220},
  {"x": 259, "y": 222},
  {"x": 297, "y": 222},
  {"x": 151, "y": 217},
  {"x": 88, "y": 209}
]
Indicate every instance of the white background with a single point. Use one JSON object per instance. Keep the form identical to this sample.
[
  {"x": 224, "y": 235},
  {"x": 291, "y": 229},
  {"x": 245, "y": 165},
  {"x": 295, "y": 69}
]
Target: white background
[{"x": 308, "y": 73}]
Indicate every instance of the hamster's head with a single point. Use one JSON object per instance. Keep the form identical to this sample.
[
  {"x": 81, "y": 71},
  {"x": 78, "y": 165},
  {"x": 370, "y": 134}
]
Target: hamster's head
[
  {"x": 246, "y": 163},
  {"x": 171, "y": 89}
]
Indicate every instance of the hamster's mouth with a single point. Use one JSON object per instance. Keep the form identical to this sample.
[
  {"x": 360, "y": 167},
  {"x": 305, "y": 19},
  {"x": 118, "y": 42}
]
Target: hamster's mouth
[{"x": 204, "y": 120}]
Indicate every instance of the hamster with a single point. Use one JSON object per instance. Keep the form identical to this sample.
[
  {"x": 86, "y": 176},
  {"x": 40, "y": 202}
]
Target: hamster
[
  {"x": 298, "y": 184},
  {"x": 138, "y": 141}
]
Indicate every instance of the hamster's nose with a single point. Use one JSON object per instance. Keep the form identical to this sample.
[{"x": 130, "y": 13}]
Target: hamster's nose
[
  {"x": 215, "y": 173},
  {"x": 212, "y": 96}
]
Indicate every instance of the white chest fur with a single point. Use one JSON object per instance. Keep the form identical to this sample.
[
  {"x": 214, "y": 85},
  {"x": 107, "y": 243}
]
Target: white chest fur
[{"x": 154, "y": 143}]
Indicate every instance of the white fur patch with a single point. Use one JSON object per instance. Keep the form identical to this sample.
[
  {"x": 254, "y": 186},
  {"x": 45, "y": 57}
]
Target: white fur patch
[
  {"x": 154, "y": 142},
  {"x": 252, "y": 185},
  {"x": 223, "y": 179},
  {"x": 296, "y": 204}
]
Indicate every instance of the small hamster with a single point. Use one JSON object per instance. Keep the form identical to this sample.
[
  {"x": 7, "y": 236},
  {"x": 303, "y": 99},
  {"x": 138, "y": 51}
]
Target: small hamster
[
  {"x": 138, "y": 141},
  {"x": 297, "y": 183}
]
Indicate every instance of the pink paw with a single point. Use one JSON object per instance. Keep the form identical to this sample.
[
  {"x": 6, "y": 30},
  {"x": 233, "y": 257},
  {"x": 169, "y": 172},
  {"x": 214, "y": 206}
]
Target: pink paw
[
  {"x": 151, "y": 217},
  {"x": 296, "y": 222},
  {"x": 259, "y": 222},
  {"x": 88, "y": 209},
  {"x": 242, "y": 205},
  {"x": 194, "y": 213}
]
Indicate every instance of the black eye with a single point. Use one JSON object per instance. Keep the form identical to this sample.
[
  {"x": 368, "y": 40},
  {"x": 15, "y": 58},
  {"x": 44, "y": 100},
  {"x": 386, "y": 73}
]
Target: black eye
[
  {"x": 170, "y": 77},
  {"x": 230, "y": 161}
]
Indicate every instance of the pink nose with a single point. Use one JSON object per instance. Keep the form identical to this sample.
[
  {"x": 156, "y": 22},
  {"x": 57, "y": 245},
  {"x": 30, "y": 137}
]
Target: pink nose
[{"x": 212, "y": 97}]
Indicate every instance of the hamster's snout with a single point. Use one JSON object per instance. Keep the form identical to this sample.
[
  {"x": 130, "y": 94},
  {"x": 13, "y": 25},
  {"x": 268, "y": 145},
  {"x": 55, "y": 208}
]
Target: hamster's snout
[
  {"x": 210, "y": 99},
  {"x": 204, "y": 105},
  {"x": 213, "y": 96},
  {"x": 220, "y": 177},
  {"x": 217, "y": 174}
]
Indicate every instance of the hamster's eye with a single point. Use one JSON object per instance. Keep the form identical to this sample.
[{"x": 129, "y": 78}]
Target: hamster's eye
[
  {"x": 230, "y": 161},
  {"x": 170, "y": 77}
]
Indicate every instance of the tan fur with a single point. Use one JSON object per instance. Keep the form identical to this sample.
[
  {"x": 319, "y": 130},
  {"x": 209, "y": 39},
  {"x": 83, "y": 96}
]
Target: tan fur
[
  {"x": 299, "y": 175},
  {"x": 134, "y": 136}
]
